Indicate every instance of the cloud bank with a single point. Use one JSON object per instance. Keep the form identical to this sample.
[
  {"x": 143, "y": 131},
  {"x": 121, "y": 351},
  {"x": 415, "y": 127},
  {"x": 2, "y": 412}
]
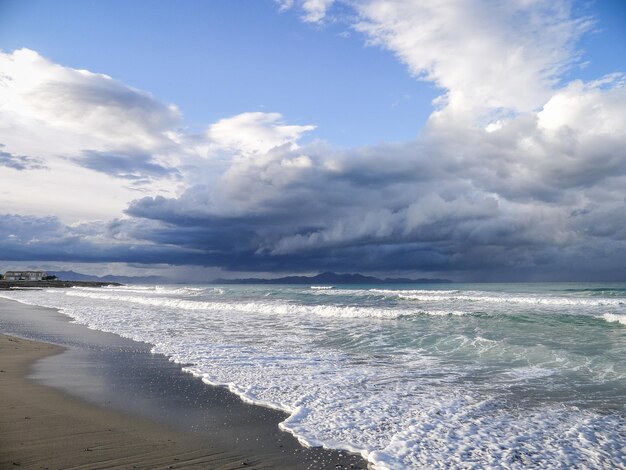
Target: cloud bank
[{"x": 516, "y": 175}]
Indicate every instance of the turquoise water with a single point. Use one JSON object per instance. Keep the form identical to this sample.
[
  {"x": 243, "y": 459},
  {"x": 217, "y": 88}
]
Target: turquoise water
[{"x": 411, "y": 376}]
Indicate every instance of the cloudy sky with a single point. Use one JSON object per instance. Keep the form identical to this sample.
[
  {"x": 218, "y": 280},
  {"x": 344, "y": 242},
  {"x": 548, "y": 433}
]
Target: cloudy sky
[{"x": 477, "y": 140}]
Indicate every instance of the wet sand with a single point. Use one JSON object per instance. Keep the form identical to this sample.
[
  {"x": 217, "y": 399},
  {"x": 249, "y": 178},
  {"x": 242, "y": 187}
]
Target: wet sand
[
  {"x": 79, "y": 398},
  {"x": 44, "y": 428}
]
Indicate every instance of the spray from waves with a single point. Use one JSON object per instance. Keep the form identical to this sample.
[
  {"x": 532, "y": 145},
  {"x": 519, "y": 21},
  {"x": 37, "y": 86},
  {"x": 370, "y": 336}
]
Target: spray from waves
[
  {"x": 250, "y": 307},
  {"x": 615, "y": 318},
  {"x": 153, "y": 290},
  {"x": 483, "y": 297},
  {"x": 471, "y": 302},
  {"x": 270, "y": 308},
  {"x": 378, "y": 292},
  {"x": 413, "y": 292}
]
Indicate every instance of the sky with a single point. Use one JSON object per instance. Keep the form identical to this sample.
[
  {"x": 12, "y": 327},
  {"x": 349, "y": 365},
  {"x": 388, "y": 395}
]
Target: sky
[{"x": 476, "y": 140}]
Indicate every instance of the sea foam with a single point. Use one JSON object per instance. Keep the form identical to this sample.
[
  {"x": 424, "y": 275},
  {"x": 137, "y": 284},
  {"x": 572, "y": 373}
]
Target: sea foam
[{"x": 615, "y": 318}]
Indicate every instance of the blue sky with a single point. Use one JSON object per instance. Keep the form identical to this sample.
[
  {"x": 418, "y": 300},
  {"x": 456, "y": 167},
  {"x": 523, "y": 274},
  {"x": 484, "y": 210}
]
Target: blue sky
[
  {"x": 469, "y": 139},
  {"x": 605, "y": 47},
  {"x": 221, "y": 58}
]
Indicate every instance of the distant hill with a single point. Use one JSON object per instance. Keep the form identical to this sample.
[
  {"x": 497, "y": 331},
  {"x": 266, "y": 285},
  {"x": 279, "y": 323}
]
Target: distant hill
[
  {"x": 331, "y": 278},
  {"x": 74, "y": 276},
  {"x": 327, "y": 278}
]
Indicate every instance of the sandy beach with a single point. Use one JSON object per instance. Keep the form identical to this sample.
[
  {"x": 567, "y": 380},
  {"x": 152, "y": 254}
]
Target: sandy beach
[
  {"x": 117, "y": 414},
  {"x": 45, "y": 428}
]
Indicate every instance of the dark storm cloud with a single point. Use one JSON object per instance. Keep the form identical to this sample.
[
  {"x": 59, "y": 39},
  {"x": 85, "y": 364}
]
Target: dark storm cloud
[
  {"x": 136, "y": 166},
  {"x": 492, "y": 205},
  {"x": 29, "y": 238},
  {"x": 521, "y": 199}
]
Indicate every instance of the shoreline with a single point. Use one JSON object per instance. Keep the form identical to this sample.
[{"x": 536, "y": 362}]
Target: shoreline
[
  {"x": 152, "y": 400},
  {"x": 8, "y": 285},
  {"x": 45, "y": 428}
]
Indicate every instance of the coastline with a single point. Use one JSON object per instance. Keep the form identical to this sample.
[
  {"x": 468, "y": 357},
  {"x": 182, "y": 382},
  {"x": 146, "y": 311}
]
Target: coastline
[
  {"x": 45, "y": 428},
  {"x": 82, "y": 397},
  {"x": 8, "y": 285}
]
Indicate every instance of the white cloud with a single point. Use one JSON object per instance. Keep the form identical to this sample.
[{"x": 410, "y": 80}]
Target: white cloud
[
  {"x": 91, "y": 107},
  {"x": 284, "y": 5},
  {"x": 256, "y": 133},
  {"x": 314, "y": 11},
  {"x": 487, "y": 56},
  {"x": 91, "y": 144},
  {"x": 54, "y": 115},
  {"x": 588, "y": 108},
  {"x": 57, "y": 115}
]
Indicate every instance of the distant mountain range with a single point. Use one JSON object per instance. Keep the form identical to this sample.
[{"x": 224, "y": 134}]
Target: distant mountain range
[
  {"x": 320, "y": 279},
  {"x": 74, "y": 276},
  {"x": 331, "y": 278}
]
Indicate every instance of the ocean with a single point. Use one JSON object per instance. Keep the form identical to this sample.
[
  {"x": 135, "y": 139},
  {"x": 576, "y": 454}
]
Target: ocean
[{"x": 410, "y": 376}]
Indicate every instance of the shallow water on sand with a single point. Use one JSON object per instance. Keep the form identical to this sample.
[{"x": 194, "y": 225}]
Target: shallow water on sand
[{"x": 411, "y": 376}]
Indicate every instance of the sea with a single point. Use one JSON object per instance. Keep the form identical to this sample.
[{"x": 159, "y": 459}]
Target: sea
[{"x": 410, "y": 376}]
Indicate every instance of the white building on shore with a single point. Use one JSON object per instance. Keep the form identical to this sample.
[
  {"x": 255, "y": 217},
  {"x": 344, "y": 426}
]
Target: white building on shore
[{"x": 24, "y": 275}]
